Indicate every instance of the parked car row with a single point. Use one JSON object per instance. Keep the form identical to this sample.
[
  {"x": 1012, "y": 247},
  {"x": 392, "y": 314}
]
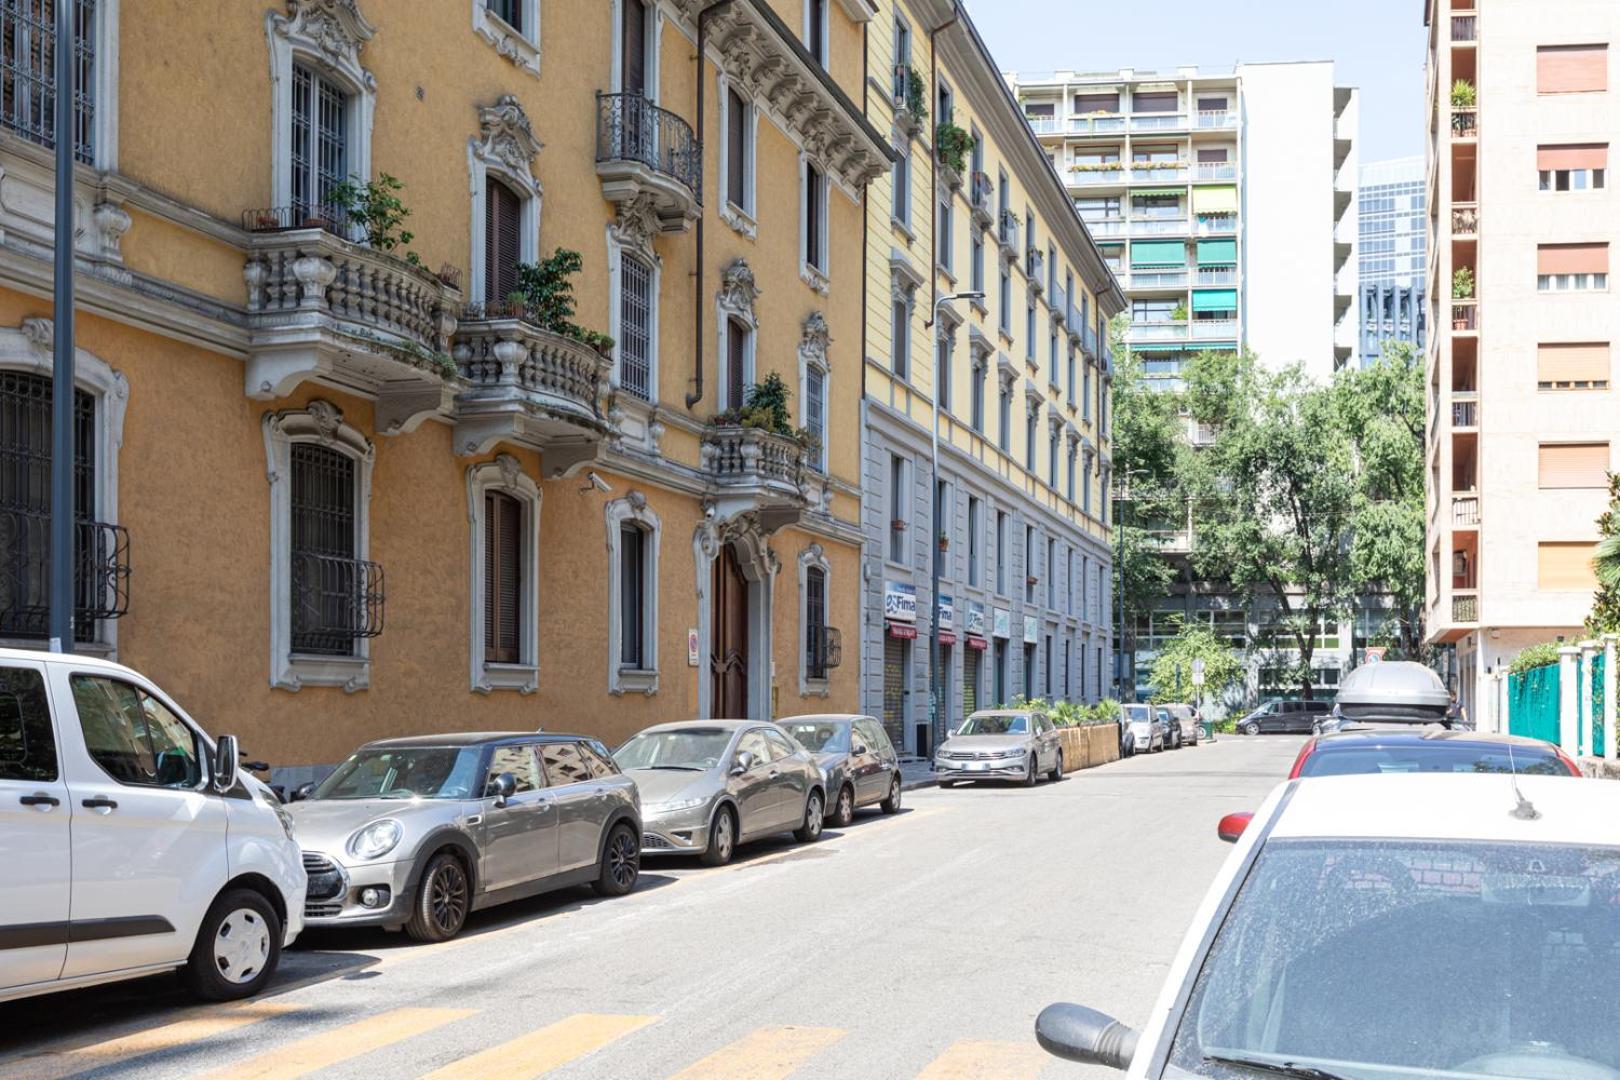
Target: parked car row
[
  {"x": 136, "y": 844},
  {"x": 1398, "y": 849},
  {"x": 1150, "y": 728}
]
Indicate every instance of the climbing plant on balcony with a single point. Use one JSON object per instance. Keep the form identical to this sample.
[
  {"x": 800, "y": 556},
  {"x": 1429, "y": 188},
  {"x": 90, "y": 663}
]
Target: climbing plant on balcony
[
  {"x": 952, "y": 145},
  {"x": 916, "y": 99}
]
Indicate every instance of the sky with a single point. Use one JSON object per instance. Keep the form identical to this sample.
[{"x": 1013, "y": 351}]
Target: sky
[{"x": 1376, "y": 45}]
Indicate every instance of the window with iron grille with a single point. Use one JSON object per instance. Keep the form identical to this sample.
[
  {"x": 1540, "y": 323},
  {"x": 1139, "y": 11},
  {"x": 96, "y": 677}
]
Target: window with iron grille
[
  {"x": 320, "y": 141},
  {"x": 101, "y": 569},
  {"x": 28, "y": 72},
  {"x": 336, "y": 598},
  {"x": 815, "y": 415},
  {"x": 632, "y": 596},
  {"x": 635, "y": 326},
  {"x": 503, "y": 240},
  {"x": 815, "y": 623},
  {"x": 510, "y": 12},
  {"x": 503, "y": 578}
]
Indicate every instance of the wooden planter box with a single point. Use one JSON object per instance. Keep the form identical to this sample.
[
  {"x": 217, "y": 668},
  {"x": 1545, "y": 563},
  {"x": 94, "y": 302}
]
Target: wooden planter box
[{"x": 1089, "y": 746}]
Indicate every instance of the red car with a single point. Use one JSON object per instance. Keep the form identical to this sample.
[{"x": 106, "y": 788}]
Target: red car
[{"x": 1429, "y": 751}]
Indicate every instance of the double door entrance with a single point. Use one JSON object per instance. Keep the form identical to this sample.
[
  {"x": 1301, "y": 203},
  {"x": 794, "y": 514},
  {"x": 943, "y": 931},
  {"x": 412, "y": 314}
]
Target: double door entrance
[{"x": 728, "y": 650}]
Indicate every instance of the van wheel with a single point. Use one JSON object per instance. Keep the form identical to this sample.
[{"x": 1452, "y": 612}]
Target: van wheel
[
  {"x": 722, "y": 839},
  {"x": 442, "y": 900},
  {"x": 237, "y": 950},
  {"x": 621, "y": 863}
]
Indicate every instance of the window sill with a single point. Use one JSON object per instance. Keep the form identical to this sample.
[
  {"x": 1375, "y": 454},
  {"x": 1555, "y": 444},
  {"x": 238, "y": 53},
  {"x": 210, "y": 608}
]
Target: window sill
[
  {"x": 815, "y": 688},
  {"x": 903, "y": 229},
  {"x": 508, "y": 42},
  {"x": 739, "y": 220},
  {"x": 813, "y": 277},
  {"x": 635, "y": 681},
  {"x": 294, "y": 672},
  {"x": 524, "y": 678},
  {"x": 979, "y": 306}
]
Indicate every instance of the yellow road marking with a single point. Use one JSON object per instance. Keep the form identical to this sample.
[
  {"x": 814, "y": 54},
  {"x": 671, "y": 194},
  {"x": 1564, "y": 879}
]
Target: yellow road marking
[
  {"x": 196, "y": 1026},
  {"x": 540, "y": 1051},
  {"x": 340, "y": 1044},
  {"x": 767, "y": 1054},
  {"x": 970, "y": 1060}
]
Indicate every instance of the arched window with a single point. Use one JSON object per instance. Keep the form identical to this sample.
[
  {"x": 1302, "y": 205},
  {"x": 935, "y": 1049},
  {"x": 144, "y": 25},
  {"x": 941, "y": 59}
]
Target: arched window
[{"x": 503, "y": 239}]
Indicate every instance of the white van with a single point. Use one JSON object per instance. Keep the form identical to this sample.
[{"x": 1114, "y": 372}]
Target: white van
[{"x": 131, "y": 842}]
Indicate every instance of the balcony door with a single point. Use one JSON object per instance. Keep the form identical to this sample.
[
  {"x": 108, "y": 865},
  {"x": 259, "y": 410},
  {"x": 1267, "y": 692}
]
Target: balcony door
[
  {"x": 633, "y": 47},
  {"x": 729, "y": 650}
]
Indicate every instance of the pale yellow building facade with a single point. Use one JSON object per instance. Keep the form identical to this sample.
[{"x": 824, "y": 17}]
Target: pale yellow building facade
[{"x": 335, "y": 485}]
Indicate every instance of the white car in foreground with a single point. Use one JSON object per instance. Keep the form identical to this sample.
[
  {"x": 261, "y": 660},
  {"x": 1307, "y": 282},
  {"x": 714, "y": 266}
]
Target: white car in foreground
[{"x": 1440, "y": 926}]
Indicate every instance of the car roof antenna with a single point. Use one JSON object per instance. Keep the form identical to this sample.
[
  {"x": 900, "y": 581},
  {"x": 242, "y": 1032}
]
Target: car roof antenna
[{"x": 1525, "y": 810}]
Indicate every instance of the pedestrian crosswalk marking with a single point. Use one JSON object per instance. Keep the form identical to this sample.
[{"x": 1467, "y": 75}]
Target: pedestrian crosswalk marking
[
  {"x": 540, "y": 1051},
  {"x": 81, "y": 1056},
  {"x": 970, "y": 1060},
  {"x": 340, "y": 1044},
  {"x": 769, "y": 1053}
]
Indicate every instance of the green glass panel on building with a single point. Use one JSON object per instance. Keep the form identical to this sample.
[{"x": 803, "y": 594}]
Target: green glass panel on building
[
  {"x": 1217, "y": 253},
  {"x": 1159, "y": 253},
  {"x": 1215, "y": 300}
]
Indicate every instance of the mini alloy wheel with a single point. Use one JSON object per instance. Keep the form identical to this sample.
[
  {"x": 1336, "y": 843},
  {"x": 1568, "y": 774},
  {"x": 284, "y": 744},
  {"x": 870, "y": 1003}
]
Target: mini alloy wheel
[
  {"x": 442, "y": 902},
  {"x": 621, "y": 863}
]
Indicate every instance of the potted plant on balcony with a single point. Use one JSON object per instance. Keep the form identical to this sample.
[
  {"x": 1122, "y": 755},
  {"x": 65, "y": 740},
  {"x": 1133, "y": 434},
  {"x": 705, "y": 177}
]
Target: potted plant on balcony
[
  {"x": 1462, "y": 283},
  {"x": 952, "y": 145},
  {"x": 1462, "y": 94},
  {"x": 944, "y": 542},
  {"x": 1179, "y": 312},
  {"x": 545, "y": 298},
  {"x": 913, "y": 101},
  {"x": 375, "y": 207}
]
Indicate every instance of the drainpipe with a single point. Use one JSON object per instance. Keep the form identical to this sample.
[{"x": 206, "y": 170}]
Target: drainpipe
[{"x": 695, "y": 395}]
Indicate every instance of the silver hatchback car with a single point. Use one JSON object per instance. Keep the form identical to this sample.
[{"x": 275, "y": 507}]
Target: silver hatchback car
[
  {"x": 709, "y": 785},
  {"x": 419, "y": 832},
  {"x": 856, "y": 757}
]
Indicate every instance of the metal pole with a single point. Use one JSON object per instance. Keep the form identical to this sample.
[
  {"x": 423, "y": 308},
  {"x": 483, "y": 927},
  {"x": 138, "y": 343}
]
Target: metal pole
[
  {"x": 936, "y": 691},
  {"x": 62, "y": 509}
]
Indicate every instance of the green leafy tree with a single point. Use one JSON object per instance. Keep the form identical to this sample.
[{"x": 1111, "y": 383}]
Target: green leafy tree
[
  {"x": 1171, "y": 677},
  {"x": 1605, "y": 616},
  {"x": 1274, "y": 495},
  {"x": 1382, "y": 410}
]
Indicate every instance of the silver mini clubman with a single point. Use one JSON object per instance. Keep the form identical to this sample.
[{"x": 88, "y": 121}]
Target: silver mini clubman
[{"x": 419, "y": 832}]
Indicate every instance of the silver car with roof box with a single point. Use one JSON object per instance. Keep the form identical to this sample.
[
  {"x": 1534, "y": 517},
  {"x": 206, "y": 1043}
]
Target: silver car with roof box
[
  {"x": 1001, "y": 744},
  {"x": 1389, "y": 692},
  {"x": 709, "y": 785},
  {"x": 419, "y": 832}
]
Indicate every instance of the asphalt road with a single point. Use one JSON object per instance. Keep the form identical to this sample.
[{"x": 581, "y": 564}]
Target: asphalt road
[{"x": 916, "y": 945}]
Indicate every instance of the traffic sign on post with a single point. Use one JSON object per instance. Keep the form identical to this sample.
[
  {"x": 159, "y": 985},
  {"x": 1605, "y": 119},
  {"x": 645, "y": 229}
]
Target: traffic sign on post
[{"x": 1198, "y": 672}]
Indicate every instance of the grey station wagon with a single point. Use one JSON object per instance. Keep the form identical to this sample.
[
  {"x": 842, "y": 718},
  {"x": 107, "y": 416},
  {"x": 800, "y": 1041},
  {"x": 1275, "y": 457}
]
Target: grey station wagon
[{"x": 419, "y": 832}]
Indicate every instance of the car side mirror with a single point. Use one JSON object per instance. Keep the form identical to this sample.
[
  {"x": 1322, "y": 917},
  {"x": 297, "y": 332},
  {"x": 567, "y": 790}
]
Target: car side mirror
[
  {"x": 1077, "y": 1033},
  {"x": 857, "y": 749},
  {"x": 501, "y": 788},
  {"x": 226, "y": 755},
  {"x": 745, "y": 761},
  {"x": 1232, "y": 825}
]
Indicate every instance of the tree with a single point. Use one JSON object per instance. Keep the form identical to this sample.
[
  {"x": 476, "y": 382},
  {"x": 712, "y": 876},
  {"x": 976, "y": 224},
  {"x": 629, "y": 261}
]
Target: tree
[
  {"x": 1605, "y": 616},
  {"x": 1381, "y": 407},
  {"x": 1274, "y": 495},
  {"x": 1171, "y": 677},
  {"x": 1147, "y": 453}
]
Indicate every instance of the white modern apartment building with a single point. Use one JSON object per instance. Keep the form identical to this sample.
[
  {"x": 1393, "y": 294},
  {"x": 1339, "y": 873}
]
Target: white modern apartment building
[
  {"x": 1223, "y": 201},
  {"x": 1523, "y": 415}
]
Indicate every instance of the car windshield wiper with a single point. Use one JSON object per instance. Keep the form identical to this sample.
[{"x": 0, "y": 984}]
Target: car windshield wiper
[
  {"x": 1273, "y": 1068},
  {"x": 682, "y": 768}
]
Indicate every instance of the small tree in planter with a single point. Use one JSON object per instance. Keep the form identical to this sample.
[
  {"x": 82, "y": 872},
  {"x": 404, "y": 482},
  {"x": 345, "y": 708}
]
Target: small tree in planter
[
  {"x": 1462, "y": 283},
  {"x": 1462, "y": 94},
  {"x": 376, "y": 208},
  {"x": 545, "y": 297}
]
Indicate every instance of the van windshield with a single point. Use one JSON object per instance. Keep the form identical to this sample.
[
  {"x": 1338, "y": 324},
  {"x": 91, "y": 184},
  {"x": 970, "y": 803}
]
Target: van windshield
[{"x": 404, "y": 772}]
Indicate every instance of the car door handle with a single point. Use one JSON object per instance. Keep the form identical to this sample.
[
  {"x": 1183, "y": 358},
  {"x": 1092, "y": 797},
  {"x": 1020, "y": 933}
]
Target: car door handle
[
  {"x": 774, "y": 773},
  {"x": 100, "y": 802},
  {"x": 40, "y": 800}
]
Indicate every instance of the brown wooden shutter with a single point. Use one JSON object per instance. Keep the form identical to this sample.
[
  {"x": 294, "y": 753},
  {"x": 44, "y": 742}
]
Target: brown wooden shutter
[
  {"x": 736, "y": 149},
  {"x": 503, "y": 227},
  {"x": 635, "y": 47},
  {"x": 1574, "y": 156},
  {"x": 1574, "y": 465},
  {"x": 1157, "y": 102},
  {"x": 1572, "y": 69},
  {"x": 1572, "y": 366},
  {"x": 1572, "y": 259},
  {"x": 736, "y": 354},
  {"x": 503, "y": 578},
  {"x": 1565, "y": 565}
]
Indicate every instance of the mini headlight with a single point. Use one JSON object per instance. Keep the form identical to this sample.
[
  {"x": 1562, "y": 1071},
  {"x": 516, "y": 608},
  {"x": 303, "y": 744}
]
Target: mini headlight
[
  {"x": 375, "y": 840},
  {"x": 676, "y": 806}
]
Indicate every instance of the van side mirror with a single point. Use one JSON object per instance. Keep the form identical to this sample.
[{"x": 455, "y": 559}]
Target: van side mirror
[
  {"x": 501, "y": 788},
  {"x": 1232, "y": 825},
  {"x": 226, "y": 756},
  {"x": 302, "y": 792},
  {"x": 1080, "y": 1034}
]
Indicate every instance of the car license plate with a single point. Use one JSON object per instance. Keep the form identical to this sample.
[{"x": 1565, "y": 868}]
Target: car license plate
[{"x": 978, "y": 766}]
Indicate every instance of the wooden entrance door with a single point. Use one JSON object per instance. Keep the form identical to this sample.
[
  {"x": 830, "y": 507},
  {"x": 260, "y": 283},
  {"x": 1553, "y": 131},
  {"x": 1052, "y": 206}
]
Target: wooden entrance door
[{"x": 728, "y": 653}]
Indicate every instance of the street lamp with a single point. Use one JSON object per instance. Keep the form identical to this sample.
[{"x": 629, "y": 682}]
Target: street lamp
[
  {"x": 935, "y": 690},
  {"x": 1122, "y": 484}
]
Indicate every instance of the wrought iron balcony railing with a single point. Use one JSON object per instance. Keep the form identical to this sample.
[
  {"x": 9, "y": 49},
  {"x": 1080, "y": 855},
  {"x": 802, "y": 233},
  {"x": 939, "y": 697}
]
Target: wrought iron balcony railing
[
  {"x": 631, "y": 128},
  {"x": 100, "y": 574},
  {"x": 336, "y": 602}
]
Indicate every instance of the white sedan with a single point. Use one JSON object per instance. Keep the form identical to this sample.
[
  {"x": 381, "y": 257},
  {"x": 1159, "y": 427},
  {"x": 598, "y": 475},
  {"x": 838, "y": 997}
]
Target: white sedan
[{"x": 1439, "y": 926}]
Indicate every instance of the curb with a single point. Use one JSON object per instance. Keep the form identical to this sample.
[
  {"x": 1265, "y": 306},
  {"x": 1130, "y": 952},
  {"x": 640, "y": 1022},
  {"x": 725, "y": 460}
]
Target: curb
[{"x": 914, "y": 785}]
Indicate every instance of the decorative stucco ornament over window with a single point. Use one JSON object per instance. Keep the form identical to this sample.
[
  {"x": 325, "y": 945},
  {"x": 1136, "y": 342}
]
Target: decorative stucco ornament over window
[
  {"x": 334, "y": 28},
  {"x": 636, "y": 225},
  {"x": 508, "y": 140},
  {"x": 814, "y": 340},
  {"x": 737, "y": 289}
]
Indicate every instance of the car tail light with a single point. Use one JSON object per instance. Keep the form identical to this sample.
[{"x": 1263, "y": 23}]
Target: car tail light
[
  {"x": 1569, "y": 763},
  {"x": 1232, "y": 826},
  {"x": 1299, "y": 762}
]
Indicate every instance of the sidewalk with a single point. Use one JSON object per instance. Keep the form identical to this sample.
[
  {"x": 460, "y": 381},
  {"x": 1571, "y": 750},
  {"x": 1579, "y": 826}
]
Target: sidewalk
[{"x": 916, "y": 773}]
